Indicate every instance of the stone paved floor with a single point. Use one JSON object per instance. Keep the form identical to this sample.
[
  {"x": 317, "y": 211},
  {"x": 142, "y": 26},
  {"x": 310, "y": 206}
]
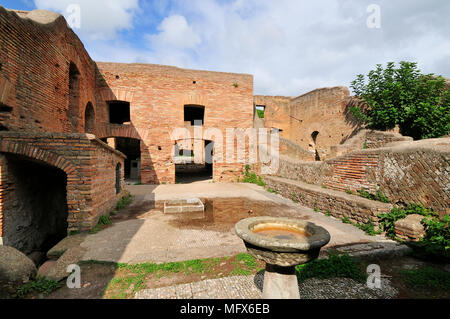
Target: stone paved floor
[
  {"x": 250, "y": 287},
  {"x": 152, "y": 237}
]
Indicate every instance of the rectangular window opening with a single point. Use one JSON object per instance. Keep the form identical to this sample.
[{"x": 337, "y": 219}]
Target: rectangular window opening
[{"x": 119, "y": 112}]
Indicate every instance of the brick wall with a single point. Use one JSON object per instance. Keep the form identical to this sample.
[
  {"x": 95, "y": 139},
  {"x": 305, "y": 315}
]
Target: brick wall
[
  {"x": 89, "y": 164},
  {"x": 356, "y": 209},
  {"x": 324, "y": 110},
  {"x": 157, "y": 96},
  {"x": 407, "y": 172},
  {"x": 34, "y": 74}
]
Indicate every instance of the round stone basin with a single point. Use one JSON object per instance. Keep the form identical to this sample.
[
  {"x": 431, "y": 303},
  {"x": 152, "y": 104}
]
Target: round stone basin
[
  {"x": 282, "y": 241},
  {"x": 279, "y": 231}
]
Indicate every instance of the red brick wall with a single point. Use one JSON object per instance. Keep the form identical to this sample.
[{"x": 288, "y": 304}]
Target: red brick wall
[
  {"x": 88, "y": 163},
  {"x": 34, "y": 74},
  {"x": 157, "y": 95},
  {"x": 323, "y": 110}
]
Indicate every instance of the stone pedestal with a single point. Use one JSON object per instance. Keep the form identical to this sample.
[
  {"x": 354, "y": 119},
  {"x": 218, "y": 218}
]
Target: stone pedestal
[{"x": 280, "y": 283}]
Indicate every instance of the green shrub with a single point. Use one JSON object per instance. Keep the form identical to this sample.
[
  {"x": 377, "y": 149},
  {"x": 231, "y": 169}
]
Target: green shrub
[
  {"x": 387, "y": 220},
  {"x": 124, "y": 202},
  {"x": 419, "y": 104},
  {"x": 334, "y": 266},
  {"x": 435, "y": 243},
  {"x": 369, "y": 228},
  {"x": 260, "y": 113},
  {"x": 346, "y": 220},
  {"x": 251, "y": 177}
]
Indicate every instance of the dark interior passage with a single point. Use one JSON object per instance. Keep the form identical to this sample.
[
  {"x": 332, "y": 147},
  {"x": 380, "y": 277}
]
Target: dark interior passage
[
  {"x": 132, "y": 149},
  {"x": 35, "y": 212},
  {"x": 189, "y": 172},
  {"x": 119, "y": 112},
  {"x": 195, "y": 114}
]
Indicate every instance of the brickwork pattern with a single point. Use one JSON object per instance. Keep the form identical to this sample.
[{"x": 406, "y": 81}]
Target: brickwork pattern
[
  {"x": 411, "y": 172},
  {"x": 88, "y": 163},
  {"x": 157, "y": 96},
  {"x": 338, "y": 204}
]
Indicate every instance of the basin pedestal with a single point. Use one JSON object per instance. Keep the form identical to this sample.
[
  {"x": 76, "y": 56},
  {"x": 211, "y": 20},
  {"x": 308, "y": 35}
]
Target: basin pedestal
[
  {"x": 280, "y": 283},
  {"x": 283, "y": 243}
]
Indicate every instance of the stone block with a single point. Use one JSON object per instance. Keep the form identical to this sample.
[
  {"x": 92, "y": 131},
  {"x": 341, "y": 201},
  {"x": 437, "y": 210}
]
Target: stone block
[{"x": 410, "y": 228}]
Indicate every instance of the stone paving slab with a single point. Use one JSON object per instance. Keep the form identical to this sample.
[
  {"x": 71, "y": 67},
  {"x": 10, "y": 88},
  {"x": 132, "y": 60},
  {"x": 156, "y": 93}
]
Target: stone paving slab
[
  {"x": 250, "y": 287},
  {"x": 154, "y": 239}
]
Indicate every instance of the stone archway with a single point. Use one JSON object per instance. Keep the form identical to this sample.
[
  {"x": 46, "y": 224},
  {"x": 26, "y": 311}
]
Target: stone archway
[{"x": 46, "y": 184}]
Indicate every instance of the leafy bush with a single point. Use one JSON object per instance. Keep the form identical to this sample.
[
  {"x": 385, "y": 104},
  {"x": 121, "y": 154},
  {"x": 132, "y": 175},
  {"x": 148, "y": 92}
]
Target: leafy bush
[
  {"x": 368, "y": 228},
  {"x": 436, "y": 242},
  {"x": 334, "y": 266},
  {"x": 260, "y": 113},
  {"x": 403, "y": 96},
  {"x": 124, "y": 201},
  {"x": 387, "y": 220},
  {"x": 251, "y": 177}
]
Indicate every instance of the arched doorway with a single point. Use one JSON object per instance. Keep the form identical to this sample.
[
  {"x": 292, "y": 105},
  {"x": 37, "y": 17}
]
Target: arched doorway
[
  {"x": 314, "y": 144},
  {"x": 89, "y": 118},
  {"x": 74, "y": 95},
  {"x": 35, "y": 210}
]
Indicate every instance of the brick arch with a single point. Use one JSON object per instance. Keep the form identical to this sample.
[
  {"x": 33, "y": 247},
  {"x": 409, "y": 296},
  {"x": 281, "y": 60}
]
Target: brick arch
[
  {"x": 193, "y": 99},
  {"x": 39, "y": 154},
  {"x": 118, "y": 130},
  {"x": 108, "y": 94}
]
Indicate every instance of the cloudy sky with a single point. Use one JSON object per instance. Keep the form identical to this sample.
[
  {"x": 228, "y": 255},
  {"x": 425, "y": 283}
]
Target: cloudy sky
[{"x": 290, "y": 46}]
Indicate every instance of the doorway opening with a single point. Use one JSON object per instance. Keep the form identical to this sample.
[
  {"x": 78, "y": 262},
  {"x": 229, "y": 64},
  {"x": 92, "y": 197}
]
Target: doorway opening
[
  {"x": 314, "y": 145},
  {"x": 186, "y": 170},
  {"x": 74, "y": 95},
  {"x": 35, "y": 210},
  {"x": 130, "y": 147}
]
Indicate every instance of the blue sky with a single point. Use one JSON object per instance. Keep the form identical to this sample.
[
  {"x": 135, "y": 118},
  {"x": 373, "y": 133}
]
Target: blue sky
[{"x": 290, "y": 46}]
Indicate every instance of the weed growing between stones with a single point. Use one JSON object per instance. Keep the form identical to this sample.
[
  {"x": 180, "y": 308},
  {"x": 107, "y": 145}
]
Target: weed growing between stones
[
  {"x": 251, "y": 177},
  {"x": 378, "y": 196},
  {"x": 39, "y": 285},
  {"x": 104, "y": 220}
]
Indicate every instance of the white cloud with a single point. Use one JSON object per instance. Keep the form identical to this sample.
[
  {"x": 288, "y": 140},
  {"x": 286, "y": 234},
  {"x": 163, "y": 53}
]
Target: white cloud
[
  {"x": 175, "y": 32},
  {"x": 290, "y": 46},
  {"x": 293, "y": 46},
  {"x": 100, "y": 19}
]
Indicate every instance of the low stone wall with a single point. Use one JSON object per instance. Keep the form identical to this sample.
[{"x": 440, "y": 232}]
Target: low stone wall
[
  {"x": 407, "y": 172},
  {"x": 339, "y": 204}
]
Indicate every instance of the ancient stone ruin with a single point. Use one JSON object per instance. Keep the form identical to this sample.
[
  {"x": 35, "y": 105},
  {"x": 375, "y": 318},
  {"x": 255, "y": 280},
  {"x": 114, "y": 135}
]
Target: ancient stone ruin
[{"x": 72, "y": 130}]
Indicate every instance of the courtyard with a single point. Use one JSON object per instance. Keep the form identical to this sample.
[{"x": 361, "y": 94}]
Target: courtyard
[{"x": 122, "y": 177}]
